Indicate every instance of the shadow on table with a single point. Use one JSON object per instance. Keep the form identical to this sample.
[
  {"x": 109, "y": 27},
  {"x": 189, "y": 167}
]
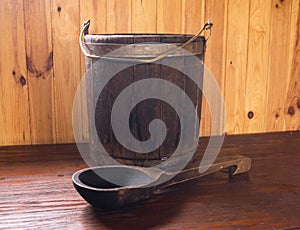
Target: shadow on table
[
  {"x": 166, "y": 206},
  {"x": 151, "y": 213}
]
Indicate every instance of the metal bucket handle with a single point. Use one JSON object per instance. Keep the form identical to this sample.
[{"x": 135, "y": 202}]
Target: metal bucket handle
[{"x": 86, "y": 25}]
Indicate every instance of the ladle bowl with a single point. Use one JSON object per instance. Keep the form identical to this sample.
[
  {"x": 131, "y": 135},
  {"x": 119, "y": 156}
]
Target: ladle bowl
[{"x": 96, "y": 187}]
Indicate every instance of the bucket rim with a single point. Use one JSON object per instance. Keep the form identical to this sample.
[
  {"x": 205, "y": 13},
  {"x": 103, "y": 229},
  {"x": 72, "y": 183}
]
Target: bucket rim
[{"x": 125, "y": 38}]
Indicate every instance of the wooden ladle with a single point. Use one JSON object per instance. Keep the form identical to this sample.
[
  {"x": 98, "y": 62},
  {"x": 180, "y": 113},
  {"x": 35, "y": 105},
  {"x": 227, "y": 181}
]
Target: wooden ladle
[{"x": 120, "y": 185}]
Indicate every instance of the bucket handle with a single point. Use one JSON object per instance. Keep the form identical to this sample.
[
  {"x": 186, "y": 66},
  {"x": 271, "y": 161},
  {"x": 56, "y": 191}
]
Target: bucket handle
[{"x": 85, "y": 28}]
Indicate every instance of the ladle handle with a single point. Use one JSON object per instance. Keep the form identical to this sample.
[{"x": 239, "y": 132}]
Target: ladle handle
[{"x": 236, "y": 165}]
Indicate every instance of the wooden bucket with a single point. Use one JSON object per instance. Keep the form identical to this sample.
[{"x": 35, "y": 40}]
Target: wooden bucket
[{"x": 96, "y": 46}]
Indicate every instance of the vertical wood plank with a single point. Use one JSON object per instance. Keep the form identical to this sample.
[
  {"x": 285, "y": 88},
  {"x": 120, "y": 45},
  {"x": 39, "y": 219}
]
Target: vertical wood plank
[
  {"x": 117, "y": 84},
  {"x": 169, "y": 20},
  {"x": 95, "y": 10},
  {"x": 278, "y": 65},
  {"x": 195, "y": 94},
  {"x": 39, "y": 59},
  {"x": 144, "y": 16},
  {"x": 169, "y": 14},
  {"x": 264, "y": 81},
  {"x": 66, "y": 64},
  {"x": 118, "y": 16},
  {"x": 292, "y": 103},
  {"x": 257, "y": 66},
  {"x": 236, "y": 65},
  {"x": 148, "y": 110},
  {"x": 14, "y": 106},
  {"x": 192, "y": 16},
  {"x": 215, "y": 54},
  {"x": 168, "y": 114}
]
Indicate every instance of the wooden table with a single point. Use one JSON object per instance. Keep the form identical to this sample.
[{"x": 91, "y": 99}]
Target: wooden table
[{"x": 36, "y": 191}]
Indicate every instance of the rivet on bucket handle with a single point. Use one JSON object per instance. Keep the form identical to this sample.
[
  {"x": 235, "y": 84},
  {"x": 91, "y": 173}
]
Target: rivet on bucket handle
[{"x": 85, "y": 28}]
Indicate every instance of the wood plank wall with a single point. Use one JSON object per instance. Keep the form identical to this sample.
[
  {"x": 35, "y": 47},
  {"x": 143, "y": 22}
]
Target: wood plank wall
[{"x": 254, "y": 54}]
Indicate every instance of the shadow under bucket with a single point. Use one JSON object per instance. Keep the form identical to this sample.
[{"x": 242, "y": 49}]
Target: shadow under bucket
[{"x": 147, "y": 55}]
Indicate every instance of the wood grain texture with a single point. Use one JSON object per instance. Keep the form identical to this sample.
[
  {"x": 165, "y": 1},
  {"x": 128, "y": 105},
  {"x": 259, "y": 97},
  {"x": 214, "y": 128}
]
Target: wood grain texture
[
  {"x": 168, "y": 114},
  {"x": 144, "y": 16},
  {"x": 217, "y": 12},
  {"x": 36, "y": 191},
  {"x": 39, "y": 61},
  {"x": 119, "y": 16},
  {"x": 169, "y": 16},
  {"x": 14, "y": 106},
  {"x": 257, "y": 65},
  {"x": 117, "y": 84},
  {"x": 66, "y": 64},
  {"x": 192, "y": 16},
  {"x": 215, "y": 55},
  {"x": 278, "y": 67},
  {"x": 292, "y": 103},
  {"x": 262, "y": 79},
  {"x": 145, "y": 112},
  {"x": 236, "y": 65},
  {"x": 94, "y": 10}
]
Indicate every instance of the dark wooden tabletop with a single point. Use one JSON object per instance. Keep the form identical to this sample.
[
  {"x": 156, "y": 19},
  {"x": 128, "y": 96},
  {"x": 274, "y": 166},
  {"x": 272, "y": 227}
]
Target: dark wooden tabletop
[{"x": 36, "y": 191}]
